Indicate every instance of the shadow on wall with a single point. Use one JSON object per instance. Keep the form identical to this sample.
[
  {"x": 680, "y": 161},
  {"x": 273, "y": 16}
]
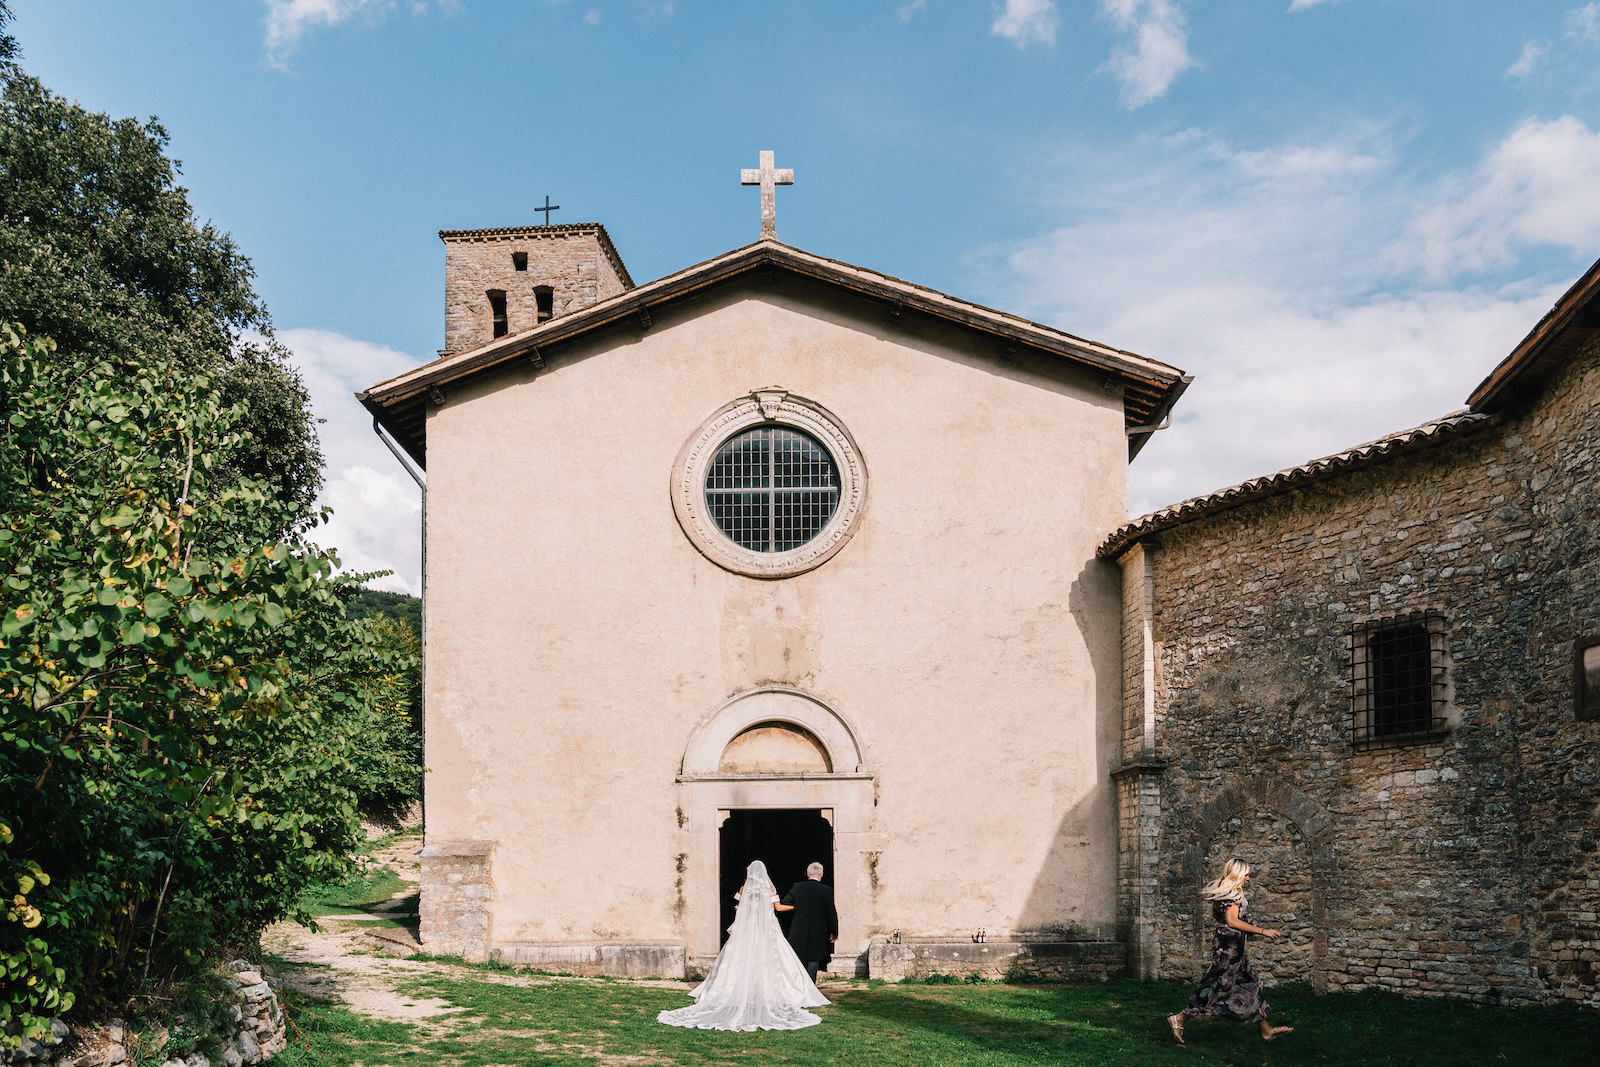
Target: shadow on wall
[
  {"x": 1074, "y": 893},
  {"x": 1073, "y": 896}
]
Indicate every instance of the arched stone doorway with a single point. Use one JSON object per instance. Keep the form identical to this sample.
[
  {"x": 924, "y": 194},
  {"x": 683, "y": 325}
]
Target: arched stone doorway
[
  {"x": 1287, "y": 838},
  {"x": 1285, "y": 890},
  {"x": 773, "y": 750}
]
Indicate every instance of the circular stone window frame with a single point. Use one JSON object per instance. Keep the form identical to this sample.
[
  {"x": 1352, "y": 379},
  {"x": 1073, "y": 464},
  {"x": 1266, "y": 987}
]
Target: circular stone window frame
[{"x": 760, "y": 408}]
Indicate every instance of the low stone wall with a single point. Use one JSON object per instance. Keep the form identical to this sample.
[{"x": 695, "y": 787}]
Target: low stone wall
[
  {"x": 256, "y": 1032},
  {"x": 618, "y": 961},
  {"x": 1046, "y": 961}
]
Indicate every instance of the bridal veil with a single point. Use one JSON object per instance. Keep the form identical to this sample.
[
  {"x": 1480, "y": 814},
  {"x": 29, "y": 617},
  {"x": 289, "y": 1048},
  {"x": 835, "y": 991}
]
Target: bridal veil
[{"x": 757, "y": 982}]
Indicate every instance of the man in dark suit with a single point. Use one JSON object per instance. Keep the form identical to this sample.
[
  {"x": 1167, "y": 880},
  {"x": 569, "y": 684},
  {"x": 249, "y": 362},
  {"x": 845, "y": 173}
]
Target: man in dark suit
[{"x": 814, "y": 926}]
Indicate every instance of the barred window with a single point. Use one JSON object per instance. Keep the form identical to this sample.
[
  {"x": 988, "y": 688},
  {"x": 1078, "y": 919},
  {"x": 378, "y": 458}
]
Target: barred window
[
  {"x": 772, "y": 488},
  {"x": 1587, "y": 686},
  {"x": 1398, "y": 678}
]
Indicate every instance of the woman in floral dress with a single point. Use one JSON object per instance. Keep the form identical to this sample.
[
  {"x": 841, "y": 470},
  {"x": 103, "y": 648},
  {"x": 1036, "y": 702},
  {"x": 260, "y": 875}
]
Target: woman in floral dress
[{"x": 1230, "y": 989}]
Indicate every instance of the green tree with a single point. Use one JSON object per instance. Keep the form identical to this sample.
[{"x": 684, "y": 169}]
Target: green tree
[
  {"x": 397, "y": 606},
  {"x": 100, "y": 251},
  {"x": 8, "y": 43},
  {"x": 186, "y": 709},
  {"x": 388, "y": 771},
  {"x": 393, "y": 767}
]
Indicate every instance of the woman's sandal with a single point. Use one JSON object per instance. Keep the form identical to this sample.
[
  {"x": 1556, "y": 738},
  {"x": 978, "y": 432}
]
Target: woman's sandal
[
  {"x": 1175, "y": 1023},
  {"x": 1276, "y": 1031}
]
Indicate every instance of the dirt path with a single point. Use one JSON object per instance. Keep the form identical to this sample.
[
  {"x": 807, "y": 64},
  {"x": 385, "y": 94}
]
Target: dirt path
[
  {"x": 340, "y": 963},
  {"x": 357, "y": 963}
]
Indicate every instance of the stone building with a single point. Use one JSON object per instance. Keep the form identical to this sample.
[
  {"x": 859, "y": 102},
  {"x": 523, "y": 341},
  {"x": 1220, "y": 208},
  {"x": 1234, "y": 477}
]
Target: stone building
[
  {"x": 1376, "y": 677},
  {"x": 782, "y": 558},
  {"x": 779, "y": 558}
]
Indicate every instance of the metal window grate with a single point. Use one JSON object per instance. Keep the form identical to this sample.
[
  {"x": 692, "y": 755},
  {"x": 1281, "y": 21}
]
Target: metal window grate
[
  {"x": 772, "y": 488},
  {"x": 1586, "y": 683},
  {"x": 1398, "y": 679}
]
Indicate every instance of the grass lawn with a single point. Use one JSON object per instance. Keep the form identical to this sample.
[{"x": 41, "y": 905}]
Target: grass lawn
[
  {"x": 1115, "y": 1023},
  {"x": 358, "y": 893},
  {"x": 371, "y": 885}
]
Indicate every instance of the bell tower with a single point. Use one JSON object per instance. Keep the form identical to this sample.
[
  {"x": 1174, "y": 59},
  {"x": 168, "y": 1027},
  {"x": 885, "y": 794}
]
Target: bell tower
[{"x": 506, "y": 281}]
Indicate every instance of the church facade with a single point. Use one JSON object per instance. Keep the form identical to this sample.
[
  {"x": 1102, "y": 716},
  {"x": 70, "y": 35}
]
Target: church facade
[
  {"x": 781, "y": 558},
  {"x": 775, "y": 558}
]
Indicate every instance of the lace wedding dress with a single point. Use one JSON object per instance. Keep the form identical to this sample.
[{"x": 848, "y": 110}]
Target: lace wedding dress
[{"x": 757, "y": 982}]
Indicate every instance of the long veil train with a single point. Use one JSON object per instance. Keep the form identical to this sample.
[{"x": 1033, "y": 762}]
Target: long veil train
[{"x": 757, "y": 982}]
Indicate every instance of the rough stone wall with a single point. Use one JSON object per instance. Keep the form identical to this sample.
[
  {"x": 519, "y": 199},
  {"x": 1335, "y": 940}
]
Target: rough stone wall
[
  {"x": 1463, "y": 864},
  {"x": 571, "y": 262},
  {"x": 457, "y": 898}
]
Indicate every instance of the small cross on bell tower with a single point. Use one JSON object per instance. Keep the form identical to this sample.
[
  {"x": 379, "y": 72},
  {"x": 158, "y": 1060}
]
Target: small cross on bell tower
[{"x": 767, "y": 177}]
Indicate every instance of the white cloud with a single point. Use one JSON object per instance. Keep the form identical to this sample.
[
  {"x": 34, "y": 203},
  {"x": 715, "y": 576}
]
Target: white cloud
[
  {"x": 1583, "y": 23},
  {"x": 377, "y": 508},
  {"x": 289, "y": 20},
  {"x": 1537, "y": 187},
  {"x": 592, "y": 17},
  {"x": 1261, "y": 271},
  {"x": 1159, "y": 51},
  {"x": 1025, "y": 22},
  {"x": 1533, "y": 54},
  {"x": 909, "y": 9},
  {"x": 1302, "y": 5}
]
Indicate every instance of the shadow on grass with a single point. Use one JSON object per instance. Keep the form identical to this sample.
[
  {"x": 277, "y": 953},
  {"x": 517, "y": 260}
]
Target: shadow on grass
[
  {"x": 1114, "y": 1024},
  {"x": 1123, "y": 1022},
  {"x": 1024, "y": 1024},
  {"x": 361, "y": 892},
  {"x": 403, "y": 913}
]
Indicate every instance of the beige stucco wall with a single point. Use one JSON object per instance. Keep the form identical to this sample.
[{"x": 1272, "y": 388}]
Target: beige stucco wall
[{"x": 966, "y": 634}]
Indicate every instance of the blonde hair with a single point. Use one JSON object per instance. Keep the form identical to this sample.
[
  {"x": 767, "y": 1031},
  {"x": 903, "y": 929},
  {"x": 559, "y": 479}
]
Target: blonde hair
[{"x": 1230, "y": 884}]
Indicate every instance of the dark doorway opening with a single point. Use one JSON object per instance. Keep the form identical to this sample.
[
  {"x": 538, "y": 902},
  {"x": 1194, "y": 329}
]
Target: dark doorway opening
[{"x": 785, "y": 839}]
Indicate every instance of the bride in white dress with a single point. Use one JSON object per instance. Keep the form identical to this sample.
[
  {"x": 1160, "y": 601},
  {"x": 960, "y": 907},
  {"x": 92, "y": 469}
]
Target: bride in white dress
[{"x": 757, "y": 982}]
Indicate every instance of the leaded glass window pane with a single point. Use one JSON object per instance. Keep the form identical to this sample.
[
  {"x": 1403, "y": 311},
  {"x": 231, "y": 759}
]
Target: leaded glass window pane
[{"x": 772, "y": 488}]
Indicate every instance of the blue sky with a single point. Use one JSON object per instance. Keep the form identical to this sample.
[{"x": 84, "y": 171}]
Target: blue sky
[{"x": 1336, "y": 214}]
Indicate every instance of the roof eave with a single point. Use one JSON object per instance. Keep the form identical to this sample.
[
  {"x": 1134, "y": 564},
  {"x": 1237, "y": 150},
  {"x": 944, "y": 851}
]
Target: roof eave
[
  {"x": 1360, "y": 457},
  {"x": 1541, "y": 348},
  {"x": 1139, "y": 436},
  {"x": 1154, "y": 379}
]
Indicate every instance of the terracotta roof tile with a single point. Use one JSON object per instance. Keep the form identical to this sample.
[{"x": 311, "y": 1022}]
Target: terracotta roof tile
[{"x": 1358, "y": 457}]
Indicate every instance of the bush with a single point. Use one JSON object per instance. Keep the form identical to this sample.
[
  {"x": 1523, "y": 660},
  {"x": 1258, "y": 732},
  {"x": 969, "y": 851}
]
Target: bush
[{"x": 189, "y": 714}]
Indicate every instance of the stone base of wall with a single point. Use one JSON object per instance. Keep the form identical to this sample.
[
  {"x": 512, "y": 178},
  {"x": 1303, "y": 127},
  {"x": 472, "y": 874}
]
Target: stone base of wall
[
  {"x": 617, "y": 961},
  {"x": 457, "y": 898},
  {"x": 1048, "y": 961},
  {"x": 840, "y": 966}
]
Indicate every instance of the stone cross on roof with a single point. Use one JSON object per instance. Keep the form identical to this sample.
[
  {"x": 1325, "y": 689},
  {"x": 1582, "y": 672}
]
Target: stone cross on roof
[{"x": 767, "y": 178}]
